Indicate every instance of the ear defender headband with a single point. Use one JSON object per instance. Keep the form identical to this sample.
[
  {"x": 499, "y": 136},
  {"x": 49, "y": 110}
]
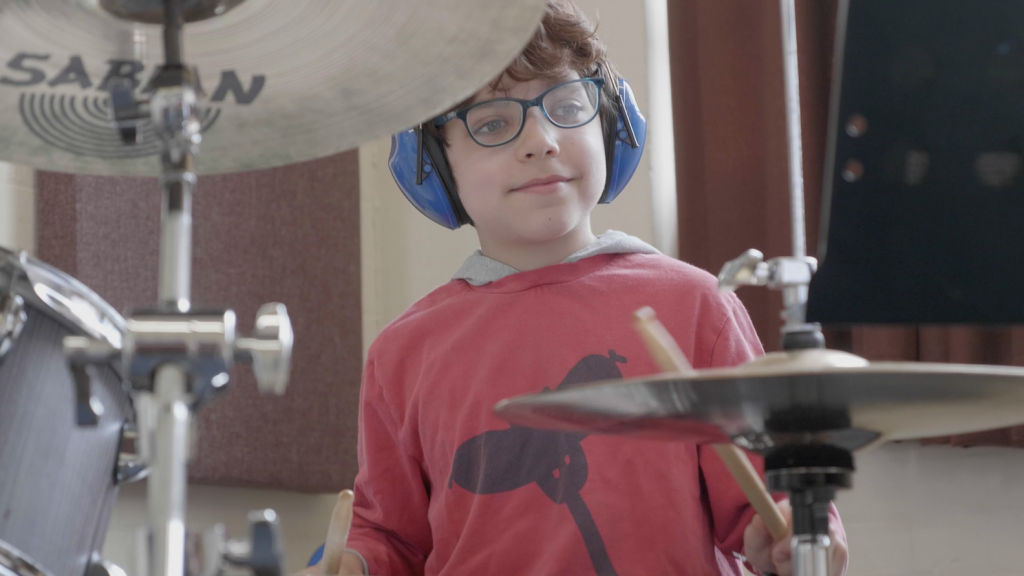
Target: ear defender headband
[{"x": 420, "y": 166}]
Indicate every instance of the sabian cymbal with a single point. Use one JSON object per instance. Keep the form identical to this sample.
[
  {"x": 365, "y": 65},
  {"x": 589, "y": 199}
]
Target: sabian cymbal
[
  {"x": 788, "y": 398},
  {"x": 286, "y": 80}
]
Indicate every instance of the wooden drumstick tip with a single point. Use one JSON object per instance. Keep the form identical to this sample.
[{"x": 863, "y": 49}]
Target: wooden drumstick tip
[
  {"x": 346, "y": 496},
  {"x": 645, "y": 314},
  {"x": 337, "y": 533},
  {"x": 660, "y": 344}
]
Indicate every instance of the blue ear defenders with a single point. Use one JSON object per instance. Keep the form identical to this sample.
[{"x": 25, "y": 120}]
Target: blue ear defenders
[{"x": 420, "y": 166}]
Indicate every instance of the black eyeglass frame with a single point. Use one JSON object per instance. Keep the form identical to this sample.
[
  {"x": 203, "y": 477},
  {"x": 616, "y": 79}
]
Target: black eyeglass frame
[{"x": 463, "y": 113}]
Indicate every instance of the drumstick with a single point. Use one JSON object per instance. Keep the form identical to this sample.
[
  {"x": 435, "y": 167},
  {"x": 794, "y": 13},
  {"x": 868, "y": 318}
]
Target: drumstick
[
  {"x": 670, "y": 358},
  {"x": 337, "y": 533}
]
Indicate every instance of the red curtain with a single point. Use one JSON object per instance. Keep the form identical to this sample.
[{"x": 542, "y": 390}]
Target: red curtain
[{"x": 732, "y": 171}]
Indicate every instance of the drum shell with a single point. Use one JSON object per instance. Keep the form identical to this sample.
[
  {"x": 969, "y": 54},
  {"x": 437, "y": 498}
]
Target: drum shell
[{"x": 57, "y": 484}]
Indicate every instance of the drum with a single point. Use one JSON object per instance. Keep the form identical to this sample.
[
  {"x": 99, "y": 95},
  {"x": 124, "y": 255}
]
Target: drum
[{"x": 58, "y": 480}]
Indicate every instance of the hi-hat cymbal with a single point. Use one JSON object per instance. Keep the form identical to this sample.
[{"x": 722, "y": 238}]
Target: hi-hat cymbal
[
  {"x": 286, "y": 80},
  {"x": 819, "y": 396}
]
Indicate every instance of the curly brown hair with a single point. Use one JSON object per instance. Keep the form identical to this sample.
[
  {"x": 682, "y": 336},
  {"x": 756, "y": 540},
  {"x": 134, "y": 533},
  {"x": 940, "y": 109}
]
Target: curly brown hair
[{"x": 565, "y": 42}]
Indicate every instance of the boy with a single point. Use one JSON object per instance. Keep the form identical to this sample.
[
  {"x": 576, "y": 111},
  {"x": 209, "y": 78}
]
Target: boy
[{"x": 445, "y": 487}]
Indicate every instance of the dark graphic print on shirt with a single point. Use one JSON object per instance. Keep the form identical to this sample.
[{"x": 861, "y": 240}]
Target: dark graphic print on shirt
[{"x": 504, "y": 460}]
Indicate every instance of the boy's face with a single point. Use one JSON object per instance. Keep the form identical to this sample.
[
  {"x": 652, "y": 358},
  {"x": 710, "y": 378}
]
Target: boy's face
[{"x": 495, "y": 183}]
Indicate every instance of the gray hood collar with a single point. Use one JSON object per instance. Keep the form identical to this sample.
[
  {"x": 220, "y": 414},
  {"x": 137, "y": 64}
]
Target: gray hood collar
[{"x": 479, "y": 269}]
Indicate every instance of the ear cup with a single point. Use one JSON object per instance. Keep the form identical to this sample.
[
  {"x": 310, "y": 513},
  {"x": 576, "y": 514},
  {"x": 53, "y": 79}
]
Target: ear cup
[
  {"x": 624, "y": 157},
  {"x": 430, "y": 196},
  {"x": 437, "y": 158}
]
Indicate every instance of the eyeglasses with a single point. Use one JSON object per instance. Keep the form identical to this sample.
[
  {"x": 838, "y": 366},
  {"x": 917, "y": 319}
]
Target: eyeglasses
[{"x": 499, "y": 121}]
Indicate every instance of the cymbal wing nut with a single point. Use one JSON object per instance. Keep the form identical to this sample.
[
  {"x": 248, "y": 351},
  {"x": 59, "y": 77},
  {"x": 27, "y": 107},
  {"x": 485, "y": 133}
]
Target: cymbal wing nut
[
  {"x": 269, "y": 349},
  {"x": 749, "y": 269}
]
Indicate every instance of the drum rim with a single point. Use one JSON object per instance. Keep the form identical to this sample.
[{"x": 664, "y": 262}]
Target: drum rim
[
  {"x": 14, "y": 563},
  {"x": 62, "y": 295}
]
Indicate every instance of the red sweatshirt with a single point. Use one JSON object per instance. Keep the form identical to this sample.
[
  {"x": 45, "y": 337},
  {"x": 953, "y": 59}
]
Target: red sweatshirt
[{"x": 447, "y": 488}]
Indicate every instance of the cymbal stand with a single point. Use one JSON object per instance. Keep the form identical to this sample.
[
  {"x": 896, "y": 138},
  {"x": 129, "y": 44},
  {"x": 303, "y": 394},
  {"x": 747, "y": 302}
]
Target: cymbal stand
[
  {"x": 790, "y": 274},
  {"x": 810, "y": 473},
  {"x": 177, "y": 358}
]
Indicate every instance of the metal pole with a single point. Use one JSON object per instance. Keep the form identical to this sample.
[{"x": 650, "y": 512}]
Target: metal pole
[
  {"x": 810, "y": 555},
  {"x": 794, "y": 297},
  {"x": 796, "y": 160},
  {"x": 172, "y": 32},
  {"x": 178, "y": 179},
  {"x": 168, "y": 480},
  {"x": 173, "y": 112},
  {"x": 176, "y": 238},
  {"x": 810, "y": 551}
]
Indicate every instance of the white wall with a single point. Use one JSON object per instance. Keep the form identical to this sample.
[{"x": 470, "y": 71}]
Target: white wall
[
  {"x": 936, "y": 511},
  {"x": 17, "y": 208},
  {"x": 621, "y": 26}
]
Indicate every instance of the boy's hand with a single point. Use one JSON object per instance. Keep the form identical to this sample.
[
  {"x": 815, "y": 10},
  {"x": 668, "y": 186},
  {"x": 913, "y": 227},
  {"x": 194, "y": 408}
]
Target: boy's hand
[
  {"x": 773, "y": 557},
  {"x": 335, "y": 561}
]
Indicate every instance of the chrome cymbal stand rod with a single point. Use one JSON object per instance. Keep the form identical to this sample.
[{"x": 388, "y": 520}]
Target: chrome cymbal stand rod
[
  {"x": 168, "y": 481},
  {"x": 812, "y": 486},
  {"x": 791, "y": 67},
  {"x": 174, "y": 110},
  {"x": 794, "y": 296},
  {"x": 176, "y": 107},
  {"x": 790, "y": 274},
  {"x": 178, "y": 358},
  {"x": 175, "y": 272},
  {"x": 173, "y": 22},
  {"x": 809, "y": 495}
]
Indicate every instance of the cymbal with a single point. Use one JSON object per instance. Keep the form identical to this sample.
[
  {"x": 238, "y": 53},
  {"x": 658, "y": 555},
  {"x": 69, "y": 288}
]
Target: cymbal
[
  {"x": 286, "y": 80},
  {"x": 786, "y": 398}
]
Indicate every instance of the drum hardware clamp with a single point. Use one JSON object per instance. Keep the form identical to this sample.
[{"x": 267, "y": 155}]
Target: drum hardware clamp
[
  {"x": 14, "y": 563},
  {"x": 133, "y": 454},
  {"x": 100, "y": 567},
  {"x": 262, "y": 552},
  {"x": 791, "y": 275},
  {"x": 13, "y": 315},
  {"x": 12, "y": 320},
  {"x": 197, "y": 349}
]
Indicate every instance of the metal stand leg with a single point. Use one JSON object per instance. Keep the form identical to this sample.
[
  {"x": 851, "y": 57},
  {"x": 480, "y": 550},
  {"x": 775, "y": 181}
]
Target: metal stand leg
[
  {"x": 810, "y": 555},
  {"x": 178, "y": 359},
  {"x": 790, "y": 274},
  {"x": 810, "y": 530},
  {"x": 811, "y": 474},
  {"x": 168, "y": 481}
]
